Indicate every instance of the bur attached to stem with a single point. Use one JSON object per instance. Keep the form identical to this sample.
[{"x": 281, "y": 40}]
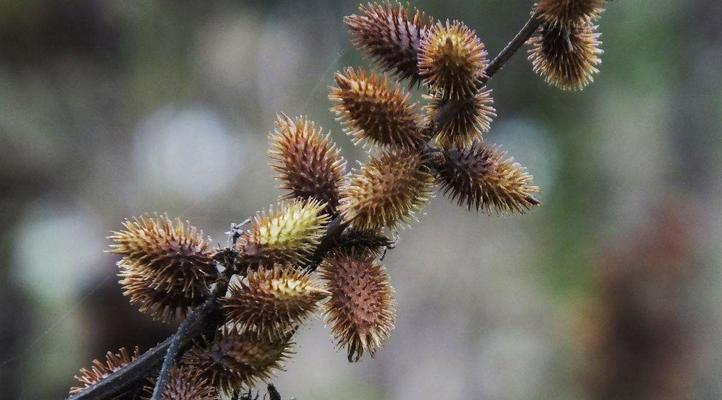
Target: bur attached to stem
[
  {"x": 566, "y": 56},
  {"x": 569, "y": 12},
  {"x": 481, "y": 178},
  {"x": 361, "y": 308},
  {"x": 100, "y": 370},
  {"x": 167, "y": 305},
  {"x": 472, "y": 118},
  {"x": 308, "y": 164},
  {"x": 452, "y": 59},
  {"x": 272, "y": 301},
  {"x": 184, "y": 383},
  {"x": 373, "y": 112},
  {"x": 287, "y": 234},
  {"x": 387, "y": 191},
  {"x": 234, "y": 361},
  {"x": 390, "y": 34},
  {"x": 168, "y": 254},
  {"x": 166, "y": 265}
]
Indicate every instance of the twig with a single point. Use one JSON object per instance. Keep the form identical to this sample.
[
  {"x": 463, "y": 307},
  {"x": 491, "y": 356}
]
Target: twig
[
  {"x": 334, "y": 229},
  {"x": 185, "y": 334},
  {"x": 181, "y": 337},
  {"x": 448, "y": 109},
  {"x": 511, "y": 48},
  {"x": 127, "y": 377},
  {"x": 201, "y": 319}
]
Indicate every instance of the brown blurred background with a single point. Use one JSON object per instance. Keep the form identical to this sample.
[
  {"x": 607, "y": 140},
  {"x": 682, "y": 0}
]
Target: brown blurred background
[{"x": 611, "y": 290}]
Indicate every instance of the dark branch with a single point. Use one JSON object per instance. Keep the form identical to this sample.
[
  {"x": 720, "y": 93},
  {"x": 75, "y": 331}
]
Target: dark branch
[
  {"x": 334, "y": 229},
  {"x": 203, "y": 319},
  {"x": 128, "y": 377},
  {"x": 183, "y": 336},
  {"x": 511, "y": 48}
]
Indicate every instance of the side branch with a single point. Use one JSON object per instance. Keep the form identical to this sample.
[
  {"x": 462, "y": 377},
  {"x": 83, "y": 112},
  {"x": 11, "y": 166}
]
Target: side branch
[
  {"x": 512, "y": 47},
  {"x": 182, "y": 337}
]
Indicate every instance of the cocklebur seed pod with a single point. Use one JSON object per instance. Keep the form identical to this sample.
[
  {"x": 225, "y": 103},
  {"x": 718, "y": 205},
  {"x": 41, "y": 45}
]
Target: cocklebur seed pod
[
  {"x": 166, "y": 304},
  {"x": 373, "y": 112},
  {"x": 566, "y": 56},
  {"x": 452, "y": 59},
  {"x": 360, "y": 310},
  {"x": 471, "y": 117},
  {"x": 374, "y": 242},
  {"x": 168, "y": 254},
  {"x": 272, "y": 301},
  {"x": 100, "y": 370},
  {"x": 390, "y": 33},
  {"x": 565, "y": 12},
  {"x": 184, "y": 383},
  {"x": 386, "y": 191},
  {"x": 480, "y": 177},
  {"x": 233, "y": 361},
  {"x": 308, "y": 164},
  {"x": 287, "y": 234}
]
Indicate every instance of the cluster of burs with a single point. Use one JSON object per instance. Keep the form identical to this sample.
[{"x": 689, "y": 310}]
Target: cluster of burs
[{"x": 285, "y": 265}]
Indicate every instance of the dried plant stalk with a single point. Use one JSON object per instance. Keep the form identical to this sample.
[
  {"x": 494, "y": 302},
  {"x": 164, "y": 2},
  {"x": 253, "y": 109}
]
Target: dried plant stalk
[{"x": 287, "y": 234}]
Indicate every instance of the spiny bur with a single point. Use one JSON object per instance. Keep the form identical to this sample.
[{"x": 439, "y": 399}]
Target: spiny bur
[
  {"x": 100, "y": 370},
  {"x": 566, "y": 12},
  {"x": 170, "y": 255},
  {"x": 272, "y": 301},
  {"x": 390, "y": 33},
  {"x": 452, "y": 59},
  {"x": 387, "y": 191},
  {"x": 361, "y": 308},
  {"x": 233, "y": 361},
  {"x": 167, "y": 304},
  {"x": 566, "y": 56},
  {"x": 184, "y": 383},
  {"x": 287, "y": 234},
  {"x": 372, "y": 112},
  {"x": 473, "y": 117},
  {"x": 308, "y": 164},
  {"x": 480, "y": 178}
]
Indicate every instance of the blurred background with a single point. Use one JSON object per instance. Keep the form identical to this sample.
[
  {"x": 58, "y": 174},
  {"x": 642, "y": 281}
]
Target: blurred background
[{"x": 611, "y": 290}]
